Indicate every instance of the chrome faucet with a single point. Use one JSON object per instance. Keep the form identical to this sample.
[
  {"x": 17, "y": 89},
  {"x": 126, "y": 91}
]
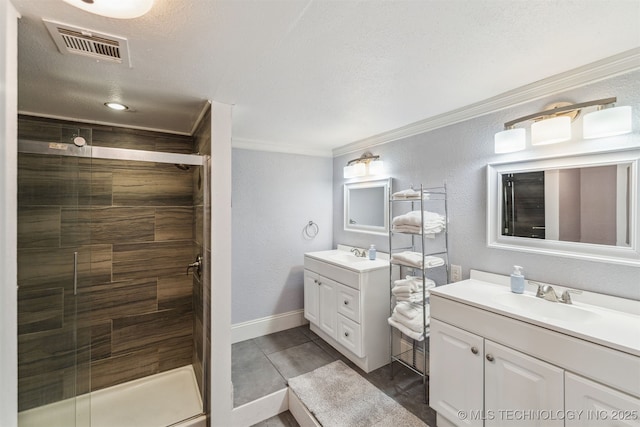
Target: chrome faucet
[
  {"x": 359, "y": 253},
  {"x": 548, "y": 293},
  {"x": 545, "y": 292},
  {"x": 566, "y": 295}
]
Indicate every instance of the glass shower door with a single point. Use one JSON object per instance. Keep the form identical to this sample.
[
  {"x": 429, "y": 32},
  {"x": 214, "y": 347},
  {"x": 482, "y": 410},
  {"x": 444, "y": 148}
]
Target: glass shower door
[{"x": 54, "y": 261}]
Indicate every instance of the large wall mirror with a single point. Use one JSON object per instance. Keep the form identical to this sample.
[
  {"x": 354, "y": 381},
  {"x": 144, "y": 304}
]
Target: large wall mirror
[
  {"x": 366, "y": 206},
  {"x": 582, "y": 206}
]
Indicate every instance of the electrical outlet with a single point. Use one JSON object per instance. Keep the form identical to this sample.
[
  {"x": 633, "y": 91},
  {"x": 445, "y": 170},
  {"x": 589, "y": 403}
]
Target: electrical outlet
[{"x": 456, "y": 273}]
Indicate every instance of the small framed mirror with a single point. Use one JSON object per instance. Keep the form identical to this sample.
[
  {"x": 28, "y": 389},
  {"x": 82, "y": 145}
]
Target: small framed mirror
[
  {"x": 366, "y": 206},
  {"x": 582, "y": 206}
]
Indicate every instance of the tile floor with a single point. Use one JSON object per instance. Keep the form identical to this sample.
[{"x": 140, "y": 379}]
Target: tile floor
[{"x": 263, "y": 365}]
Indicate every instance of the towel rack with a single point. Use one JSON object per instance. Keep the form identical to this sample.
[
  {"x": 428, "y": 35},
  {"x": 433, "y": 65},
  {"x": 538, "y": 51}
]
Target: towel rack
[{"x": 433, "y": 199}]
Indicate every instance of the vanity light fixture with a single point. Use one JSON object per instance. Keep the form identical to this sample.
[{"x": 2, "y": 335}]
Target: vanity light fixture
[
  {"x": 116, "y": 106},
  {"x": 120, "y": 9},
  {"x": 367, "y": 164},
  {"x": 554, "y": 124}
]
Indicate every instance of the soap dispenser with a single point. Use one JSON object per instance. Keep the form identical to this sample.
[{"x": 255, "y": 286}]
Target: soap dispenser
[
  {"x": 372, "y": 252},
  {"x": 517, "y": 280}
]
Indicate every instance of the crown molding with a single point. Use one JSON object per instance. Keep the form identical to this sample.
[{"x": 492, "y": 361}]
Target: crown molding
[
  {"x": 256, "y": 145},
  {"x": 615, "y": 65}
]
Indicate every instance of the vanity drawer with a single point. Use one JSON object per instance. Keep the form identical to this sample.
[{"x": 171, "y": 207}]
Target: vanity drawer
[
  {"x": 339, "y": 274},
  {"x": 349, "y": 303},
  {"x": 350, "y": 335}
]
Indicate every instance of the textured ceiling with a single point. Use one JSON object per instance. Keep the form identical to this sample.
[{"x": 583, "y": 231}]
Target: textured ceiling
[{"x": 315, "y": 73}]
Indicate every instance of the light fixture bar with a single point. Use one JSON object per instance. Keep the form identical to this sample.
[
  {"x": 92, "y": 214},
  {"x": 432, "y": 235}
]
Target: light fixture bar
[
  {"x": 367, "y": 164},
  {"x": 555, "y": 111},
  {"x": 366, "y": 156}
]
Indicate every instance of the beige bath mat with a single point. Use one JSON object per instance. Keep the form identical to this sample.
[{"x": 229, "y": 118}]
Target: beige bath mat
[{"x": 338, "y": 397}]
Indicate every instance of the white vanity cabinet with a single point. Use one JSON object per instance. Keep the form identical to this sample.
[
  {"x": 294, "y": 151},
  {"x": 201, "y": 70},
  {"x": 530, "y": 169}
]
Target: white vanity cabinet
[
  {"x": 347, "y": 306},
  {"x": 519, "y": 383},
  {"x": 311, "y": 297},
  {"x": 456, "y": 378},
  {"x": 483, "y": 380},
  {"x": 320, "y": 301},
  {"x": 491, "y": 365},
  {"x": 599, "y": 405}
]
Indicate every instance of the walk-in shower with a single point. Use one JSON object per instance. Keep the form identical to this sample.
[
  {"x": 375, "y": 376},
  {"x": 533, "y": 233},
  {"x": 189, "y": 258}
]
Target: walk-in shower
[{"x": 110, "y": 320}]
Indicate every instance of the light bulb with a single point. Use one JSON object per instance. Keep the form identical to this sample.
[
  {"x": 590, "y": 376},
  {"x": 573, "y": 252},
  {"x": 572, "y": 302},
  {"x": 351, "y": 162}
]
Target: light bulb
[
  {"x": 510, "y": 140},
  {"x": 551, "y": 131},
  {"x": 607, "y": 122}
]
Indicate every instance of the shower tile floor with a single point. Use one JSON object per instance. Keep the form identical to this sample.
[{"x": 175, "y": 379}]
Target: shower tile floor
[{"x": 263, "y": 365}]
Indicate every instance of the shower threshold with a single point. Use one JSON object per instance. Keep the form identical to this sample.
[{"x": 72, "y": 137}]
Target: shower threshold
[{"x": 164, "y": 399}]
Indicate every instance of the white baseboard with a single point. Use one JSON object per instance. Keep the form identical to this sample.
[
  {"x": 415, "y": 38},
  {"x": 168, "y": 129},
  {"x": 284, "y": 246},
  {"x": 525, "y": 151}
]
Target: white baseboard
[
  {"x": 261, "y": 409},
  {"x": 267, "y": 325}
]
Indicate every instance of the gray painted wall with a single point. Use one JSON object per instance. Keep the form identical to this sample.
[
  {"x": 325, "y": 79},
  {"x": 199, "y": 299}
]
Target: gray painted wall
[
  {"x": 274, "y": 196},
  {"x": 458, "y": 154}
]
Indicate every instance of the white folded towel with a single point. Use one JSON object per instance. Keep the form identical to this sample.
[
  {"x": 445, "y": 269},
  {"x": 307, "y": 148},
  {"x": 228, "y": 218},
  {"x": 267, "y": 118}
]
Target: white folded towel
[
  {"x": 414, "y": 218},
  {"x": 401, "y": 292},
  {"x": 414, "y": 259},
  {"x": 406, "y": 194},
  {"x": 415, "y": 297},
  {"x": 409, "y": 229},
  {"x": 418, "y": 336},
  {"x": 414, "y": 281},
  {"x": 408, "y": 310},
  {"x": 412, "y": 284},
  {"x": 432, "y": 261},
  {"x": 416, "y": 322},
  {"x": 413, "y": 222}
]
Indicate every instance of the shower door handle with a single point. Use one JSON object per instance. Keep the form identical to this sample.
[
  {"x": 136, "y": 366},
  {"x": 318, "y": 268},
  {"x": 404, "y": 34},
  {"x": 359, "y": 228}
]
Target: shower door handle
[
  {"x": 196, "y": 265},
  {"x": 75, "y": 273}
]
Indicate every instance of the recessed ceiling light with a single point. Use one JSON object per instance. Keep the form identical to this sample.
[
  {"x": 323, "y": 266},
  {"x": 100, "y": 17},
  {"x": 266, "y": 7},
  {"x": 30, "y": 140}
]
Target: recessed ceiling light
[
  {"x": 116, "y": 106},
  {"x": 121, "y": 9}
]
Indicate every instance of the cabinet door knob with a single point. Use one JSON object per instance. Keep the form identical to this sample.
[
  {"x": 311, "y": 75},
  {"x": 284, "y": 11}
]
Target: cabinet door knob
[
  {"x": 346, "y": 303},
  {"x": 490, "y": 358},
  {"x": 346, "y": 334},
  {"x": 474, "y": 350}
]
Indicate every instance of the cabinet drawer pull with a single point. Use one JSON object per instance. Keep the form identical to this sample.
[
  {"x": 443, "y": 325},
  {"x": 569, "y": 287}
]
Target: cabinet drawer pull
[
  {"x": 490, "y": 358},
  {"x": 346, "y": 303},
  {"x": 346, "y": 334},
  {"x": 474, "y": 350}
]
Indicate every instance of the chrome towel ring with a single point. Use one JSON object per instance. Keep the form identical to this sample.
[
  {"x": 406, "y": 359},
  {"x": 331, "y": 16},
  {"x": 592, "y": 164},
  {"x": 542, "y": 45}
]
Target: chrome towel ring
[{"x": 311, "y": 230}]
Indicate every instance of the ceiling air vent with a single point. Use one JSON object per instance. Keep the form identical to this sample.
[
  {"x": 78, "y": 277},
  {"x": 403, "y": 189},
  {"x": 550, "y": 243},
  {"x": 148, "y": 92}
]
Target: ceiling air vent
[{"x": 89, "y": 43}]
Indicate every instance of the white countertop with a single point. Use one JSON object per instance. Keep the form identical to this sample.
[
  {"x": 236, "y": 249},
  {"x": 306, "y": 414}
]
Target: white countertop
[
  {"x": 342, "y": 257},
  {"x": 612, "y": 328}
]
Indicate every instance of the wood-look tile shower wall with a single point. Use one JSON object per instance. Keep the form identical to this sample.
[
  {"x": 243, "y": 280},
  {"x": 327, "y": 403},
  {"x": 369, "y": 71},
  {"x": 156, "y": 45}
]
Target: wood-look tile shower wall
[{"x": 134, "y": 228}]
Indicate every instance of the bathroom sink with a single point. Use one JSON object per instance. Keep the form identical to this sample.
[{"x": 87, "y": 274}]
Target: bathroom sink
[
  {"x": 347, "y": 258},
  {"x": 343, "y": 257},
  {"x": 532, "y": 306}
]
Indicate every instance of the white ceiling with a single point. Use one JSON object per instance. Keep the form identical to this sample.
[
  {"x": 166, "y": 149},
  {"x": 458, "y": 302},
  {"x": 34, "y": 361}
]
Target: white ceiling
[{"x": 317, "y": 74}]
